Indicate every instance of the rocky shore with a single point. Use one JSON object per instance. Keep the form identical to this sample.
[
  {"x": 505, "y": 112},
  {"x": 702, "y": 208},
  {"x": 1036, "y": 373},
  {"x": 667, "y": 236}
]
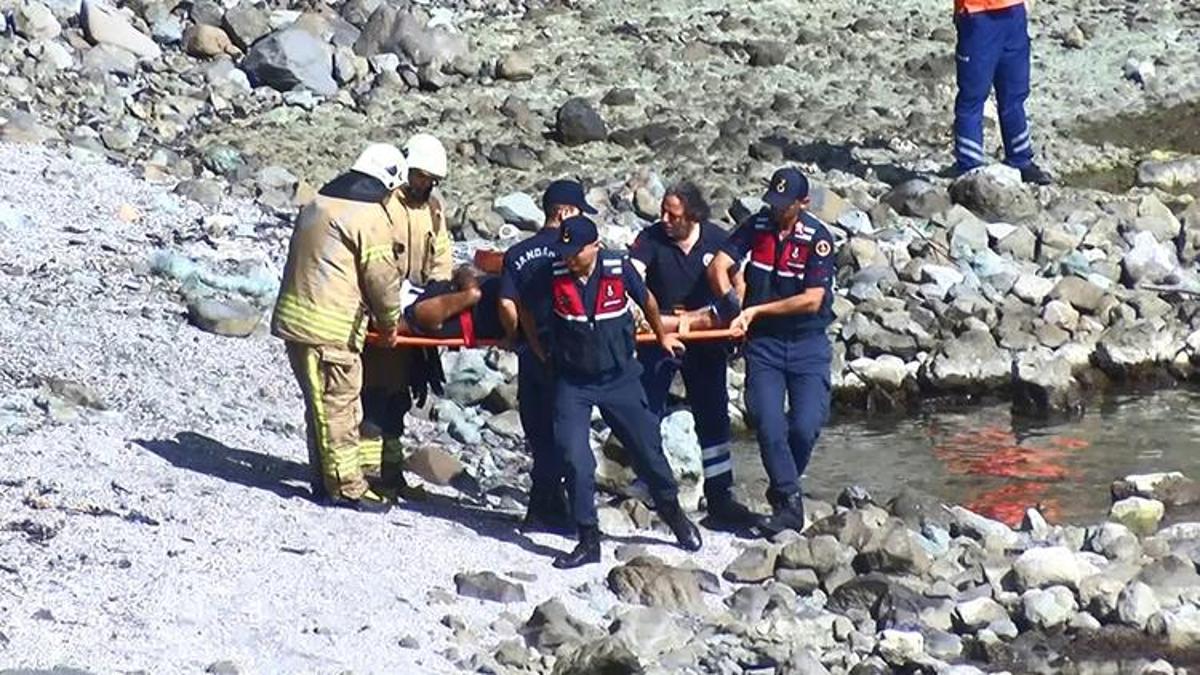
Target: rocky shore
[{"x": 152, "y": 157}]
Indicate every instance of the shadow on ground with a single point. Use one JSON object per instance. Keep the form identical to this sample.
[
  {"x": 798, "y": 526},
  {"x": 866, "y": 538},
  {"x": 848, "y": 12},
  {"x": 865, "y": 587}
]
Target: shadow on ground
[{"x": 202, "y": 454}]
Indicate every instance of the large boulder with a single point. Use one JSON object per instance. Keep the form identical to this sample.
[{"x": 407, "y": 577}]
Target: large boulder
[
  {"x": 35, "y": 21},
  {"x": 246, "y": 24},
  {"x": 551, "y": 628},
  {"x": 1043, "y": 385},
  {"x": 645, "y": 581},
  {"x": 971, "y": 362},
  {"x": 289, "y": 59},
  {"x": 1148, "y": 261},
  {"x": 918, "y": 198},
  {"x": 1050, "y": 566},
  {"x": 393, "y": 29},
  {"x": 1171, "y": 174},
  {"x": 1081, "y": 294},
  {"x": 232, "y": 318},
  {"x": 104, "y": 25},
  {"x": 1139, "y": 514},
  {"x": 1170, "y": 488},
  {"x": 1132, "y": 351},
  {"x": 577, "y": 122},
  {"x": 994, "y": 192}
]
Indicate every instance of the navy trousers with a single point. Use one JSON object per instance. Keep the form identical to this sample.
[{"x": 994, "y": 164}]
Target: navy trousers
[
  {"x": 703, "y": 367},
  {"x": 535, "y": 404},
  {"x": 787, "y": 399},
  {"x": 622, "y": 401},
  {"x": 992, "y": 52}
]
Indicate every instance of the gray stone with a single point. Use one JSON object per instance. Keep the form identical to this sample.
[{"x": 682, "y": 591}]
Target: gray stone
[
  {"x": 748, "y": 603},
  {"x": 767, "y": 53},
  {"x": 35, "y": 21},
  {"x": 394, "y": 28},
  {"x": 1033, "y": 288},
  {"x": 1139, "y": 514},
  {"x": 1136, "y": 604},
  {"x": 1081, "y": 294},
  {"x": 822, "y": 554},
  {"x": 994, "y": 192},
  {"x": 1170, "y": 488},
  {"x": 516, "y": 66},
  {"x": 246, "y": 23},
  {"x": 291, "y": 58},
  {"x": 1170, "y": 174},
  {"x": 1156, "y": 218},
  {"x": 900, "y": 648},
  {"x": 1021, "y": 244},
  {"x": 649, "y": 631},
  {"x": 752, "y": 565},
  {"x": 275, "y": 187},
  {"x": 968, "y": 238},
  {"x": 488, "y": 586},
  {"x": 1181, "y": 626},
  {"x": 897, "y": 551},
  {"x": 108, "y": 59},
  {"x": 469, "y": 378},
  {"x": 803, "y": 661},
  {"x": 507, "y": 424},
  {"x": 1048, "y": 608},
  {"x": 104, "y": 25},
  {"x": 519, "y": 209},
  {"x": 222, "y": 668},
  {"x": 979, "y": 613},
  {"x": 232, "y": 318},
  {"x": 644, "y": 581},
  {"x": 1049, "y": 566},
  {"x": 205, "y": 192},
  {"x": 1043, "y": 385},
  {"x": 577, "y": 122},
  {"x": 1149, "y": 261},
  {"x": 800, "y": 580},
  {"x": 551, "y": 627},
  {"x": 971, "y": 361},
  {"x": 1114, "y": 541},
  {"x": 606, "y": 655},
  {"x": 918, "y": 199}
]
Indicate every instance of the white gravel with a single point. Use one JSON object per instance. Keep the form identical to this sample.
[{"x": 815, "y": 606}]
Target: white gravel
[{"x": 182, "y": 535}]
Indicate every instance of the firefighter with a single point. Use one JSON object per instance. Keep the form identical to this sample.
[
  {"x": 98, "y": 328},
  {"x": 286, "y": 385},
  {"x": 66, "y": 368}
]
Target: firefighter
[
  {"x": 422, "y": 254},
  {"x": 592, "y": 353},
  {"x": 340, "y": 272}
]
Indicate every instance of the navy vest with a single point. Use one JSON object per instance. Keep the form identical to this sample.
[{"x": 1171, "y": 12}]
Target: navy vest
[
  {"x": 600, "y": 339},
  {"x": 776, "y": 270}
]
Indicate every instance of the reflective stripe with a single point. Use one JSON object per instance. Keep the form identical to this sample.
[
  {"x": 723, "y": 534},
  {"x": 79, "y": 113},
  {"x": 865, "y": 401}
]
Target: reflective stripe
[
  {"x": 973, "y": 154},
  {"x": 441, "y": 243},
  {"x": 714, "y": 451},
  {"x": 718, "y": 468},
  {"x": 322, "y": 323},
  {"x": 970, "y": 143},
  {"x": 370, "y": 452},
  {"x": 760, "y": 265},
  {"x": 1023, "y": 136},
  {"x": 601, "y": 316},
  {"x": 316, "y": 393},
  {"x": 378, "y": 253}
]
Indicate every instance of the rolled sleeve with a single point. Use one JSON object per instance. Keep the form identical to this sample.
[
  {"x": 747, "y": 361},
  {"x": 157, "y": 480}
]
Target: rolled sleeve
[
  {"x": 739, "y": 242},
  {"x": 635, "y": 286}
]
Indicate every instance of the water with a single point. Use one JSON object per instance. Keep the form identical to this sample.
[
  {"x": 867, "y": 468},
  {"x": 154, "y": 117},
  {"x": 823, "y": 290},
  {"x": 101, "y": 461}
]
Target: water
[
  {"x": 1174, "y": 128},
  {"x": 983, "y": 459}
]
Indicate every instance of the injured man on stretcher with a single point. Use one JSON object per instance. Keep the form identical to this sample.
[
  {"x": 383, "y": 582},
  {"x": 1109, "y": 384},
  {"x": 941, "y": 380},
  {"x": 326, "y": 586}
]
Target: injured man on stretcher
[{"x": 465, "y": 307}]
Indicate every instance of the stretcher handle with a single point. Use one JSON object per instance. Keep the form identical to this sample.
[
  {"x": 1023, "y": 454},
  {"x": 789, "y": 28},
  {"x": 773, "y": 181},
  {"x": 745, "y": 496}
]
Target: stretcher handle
[{"x": 642, "y": 338}]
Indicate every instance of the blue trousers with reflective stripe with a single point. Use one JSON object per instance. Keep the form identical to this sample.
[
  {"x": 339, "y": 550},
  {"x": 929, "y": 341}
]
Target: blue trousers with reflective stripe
[
  {"x": 622, "y": 401},
  {"x": 993, "y": 52},
  {"x": 703, "y": 367},
  {"x": 535, "y": 404},
  {"x": 787, "y": 399}
]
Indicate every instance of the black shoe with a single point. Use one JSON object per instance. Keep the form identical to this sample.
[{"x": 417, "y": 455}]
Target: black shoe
[
  {"x": 370, "y": 502},
  {"x": 1032, "y": 173},
  {"x": 548, "y": 513},
  {"x": 586, "y": 552},
  {"x": 789, "y": 515},
  {"x": 685, "y": 531},
  {"x": 727, "y": 514}
]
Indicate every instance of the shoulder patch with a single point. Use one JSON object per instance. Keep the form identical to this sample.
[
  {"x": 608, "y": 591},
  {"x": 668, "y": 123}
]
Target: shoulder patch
[{"x": 823, "y": 247}]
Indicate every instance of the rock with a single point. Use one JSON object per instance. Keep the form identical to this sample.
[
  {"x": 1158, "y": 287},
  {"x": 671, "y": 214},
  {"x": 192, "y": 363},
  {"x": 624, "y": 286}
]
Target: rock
[
  {"x": 994, "y": 534},
  {"x": 519, "y": 209},
  {"x": 897, "y": 551},
  {"x": 577, "y": 122},
  {"x": 20, "y": 127},
  {"x": 1182, "y": 626},
  {"x": 206, "y": 42},
  {"x": 551, "y": 627},
  {"x": 972, "y": 361},
  {"x": 232, "y": 318},
  {"x": 1140, "y": 71},
  {"x": 1114, "y": 541},
  {"x": 900, "y": 648},
  {"x": 752, "y": 565},
  {"x": 35, "y": 21},
  {"x": 803, "y": 661},
  {"x": 648, "y": 631},
  {"x": 488, "y": 586},
  {"x": 515, "y": 67},
  {"x": 978, "y": 613},
  {"x": 222, "y": 668},
  {"x": 1148, "y": 261},
  {"x": 1081, "y": 294},
  {"x": 606, "y": 655},
  {"x": 748, "y": 603},
  {"x": 291, "y": 58},
  {"x": 802, "y": 581},
  {"x": 917, "y": 198},
  {"x": 396, "y": 29},
  {"x": 994, "y": 192},
  {"x": 1048, "y": 608},
  {"x": 1169, "y": 175},
  {"x": 275, "y": 187},
  {"x": 434, "y": 465},
  {"x": 1128, "y": 351},
  {"x": 1044, "y": 385},
  {"x": 969, "y": 237},
  {"x": 469, "y": 378},
  {"x": 1140, "y": 515},
  {"x": 507, "y": 424},
  {"x": 1136, "y": 604},
  {"x": 822, "y": 554},
  {"x": 1020, "y": 244},
  {"x": 246, "y": 23},
  {"x": 767, "y": 53},
  {"x": 648, "y": 582},
  {"x": 1157, "y": 219},
  {"x": 205, "y": 192},
  {"x": 681, "y": 446},
  {"x": 105, "y": 25},
  {"x": 1048, "y": 566},
  {"x": 1172, "y": 488},
  {"x": 877, "y": 597},
  {"x": 1033, "y": 288}
]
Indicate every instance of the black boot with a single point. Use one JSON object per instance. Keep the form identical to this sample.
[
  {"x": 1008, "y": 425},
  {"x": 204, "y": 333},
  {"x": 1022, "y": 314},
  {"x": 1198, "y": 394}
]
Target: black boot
[
  {"x": 789, "y": 515},
  {"x": 727, "y": 514},
  {"x": 685, "y": 531},
  {"x": 547, "y": 514},
  {"x": 1032, "y": 173},
  {"x": 587, "y": 551}
]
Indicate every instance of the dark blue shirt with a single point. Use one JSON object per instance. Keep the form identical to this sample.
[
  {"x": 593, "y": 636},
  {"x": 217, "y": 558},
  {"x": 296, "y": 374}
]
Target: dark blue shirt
[
  {"x": 526, "y": 274},
  {"x": 485, "y": 315},
  {"x": 678, "y": 279},
  {"x": 781, "y": 268}
]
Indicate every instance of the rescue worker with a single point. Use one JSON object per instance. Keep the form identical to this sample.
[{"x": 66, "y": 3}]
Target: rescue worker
[
  {"x": 787, "y": 308},
  {"x": 524, "y": 279},
  {"x": 993, "y": 52},
  {"x": 672, "y": 255},
  {"x": 592, "y": 352},
  {"x": 422, "y": 248},
  {"x": 340, "y": 267}
]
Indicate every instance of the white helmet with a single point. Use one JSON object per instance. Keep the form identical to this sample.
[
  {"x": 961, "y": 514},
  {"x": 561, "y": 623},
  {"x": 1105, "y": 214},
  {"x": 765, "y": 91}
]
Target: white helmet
[
  {"x": 425, "y": 153},
  {"x": 384, "y": 162}
]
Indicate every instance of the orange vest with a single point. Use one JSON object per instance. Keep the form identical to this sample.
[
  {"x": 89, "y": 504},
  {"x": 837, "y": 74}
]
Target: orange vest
[{"x": 975, "y": 6}]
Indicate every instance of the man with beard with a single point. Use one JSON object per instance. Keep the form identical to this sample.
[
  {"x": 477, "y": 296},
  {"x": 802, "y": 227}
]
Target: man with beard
[{"x": 673, "y": 255}]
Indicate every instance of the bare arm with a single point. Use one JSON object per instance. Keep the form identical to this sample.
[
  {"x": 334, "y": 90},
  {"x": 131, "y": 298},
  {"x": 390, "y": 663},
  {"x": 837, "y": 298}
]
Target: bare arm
[
  {"x": 431, "y": 313},
  {"x": 718, "y": 272},
  {"x": 510, "y": 319},
  {"x": 530, "y": 329},
  {"x": 807, "y": 302}
]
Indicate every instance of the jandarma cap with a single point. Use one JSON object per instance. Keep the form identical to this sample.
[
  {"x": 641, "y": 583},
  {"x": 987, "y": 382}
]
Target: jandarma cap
[
  {"x": 787, "y": 185},
  {"x": 566, "y": 193},
  {"x": 574, "y": 234}
]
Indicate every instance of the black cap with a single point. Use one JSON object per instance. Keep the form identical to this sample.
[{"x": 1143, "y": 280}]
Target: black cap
[
  {"x": 575, "y": 233},
  {"x": 566, "y": 193},
  {"x": 787, "y": 185}
]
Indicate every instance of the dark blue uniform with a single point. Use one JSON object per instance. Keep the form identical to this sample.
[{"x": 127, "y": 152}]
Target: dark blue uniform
[
  {"x": 525, "y": 277},
  {"x": 678, "y": 282},
  {"x": 592, "y": 345},
  {"x": 786, "y": 356}
]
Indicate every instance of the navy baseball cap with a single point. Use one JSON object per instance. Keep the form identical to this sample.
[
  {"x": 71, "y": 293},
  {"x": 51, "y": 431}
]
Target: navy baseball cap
[
  {"x": 575, "y": 233},
  {"x": 787, "y": 185},
  {"x": 566, "y": 193}
]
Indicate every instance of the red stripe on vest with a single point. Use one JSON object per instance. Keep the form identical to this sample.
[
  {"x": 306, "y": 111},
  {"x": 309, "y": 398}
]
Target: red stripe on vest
[
  {"x": 467, "y": 322},
  {"x": 763, "y": 251},
  {"x": 568, "y": 301}
]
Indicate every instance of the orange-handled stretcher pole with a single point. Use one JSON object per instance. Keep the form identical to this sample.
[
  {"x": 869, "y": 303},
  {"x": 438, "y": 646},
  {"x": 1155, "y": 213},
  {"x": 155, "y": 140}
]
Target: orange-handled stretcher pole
[{"x": 642, "y": 338}]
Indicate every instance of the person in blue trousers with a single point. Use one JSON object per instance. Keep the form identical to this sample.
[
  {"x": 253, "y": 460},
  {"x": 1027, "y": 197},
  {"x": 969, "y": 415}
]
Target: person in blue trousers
[
  {"x": 672, "y": 256},
  {"x": 591, "y": 350},
  {"x": 784, "y": 315},
  {"x": 993, "y": 53}
]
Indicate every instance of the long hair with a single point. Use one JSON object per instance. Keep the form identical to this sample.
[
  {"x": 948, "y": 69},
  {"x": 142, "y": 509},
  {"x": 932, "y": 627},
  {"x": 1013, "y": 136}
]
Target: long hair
[{"x": 694, "y": 205}]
